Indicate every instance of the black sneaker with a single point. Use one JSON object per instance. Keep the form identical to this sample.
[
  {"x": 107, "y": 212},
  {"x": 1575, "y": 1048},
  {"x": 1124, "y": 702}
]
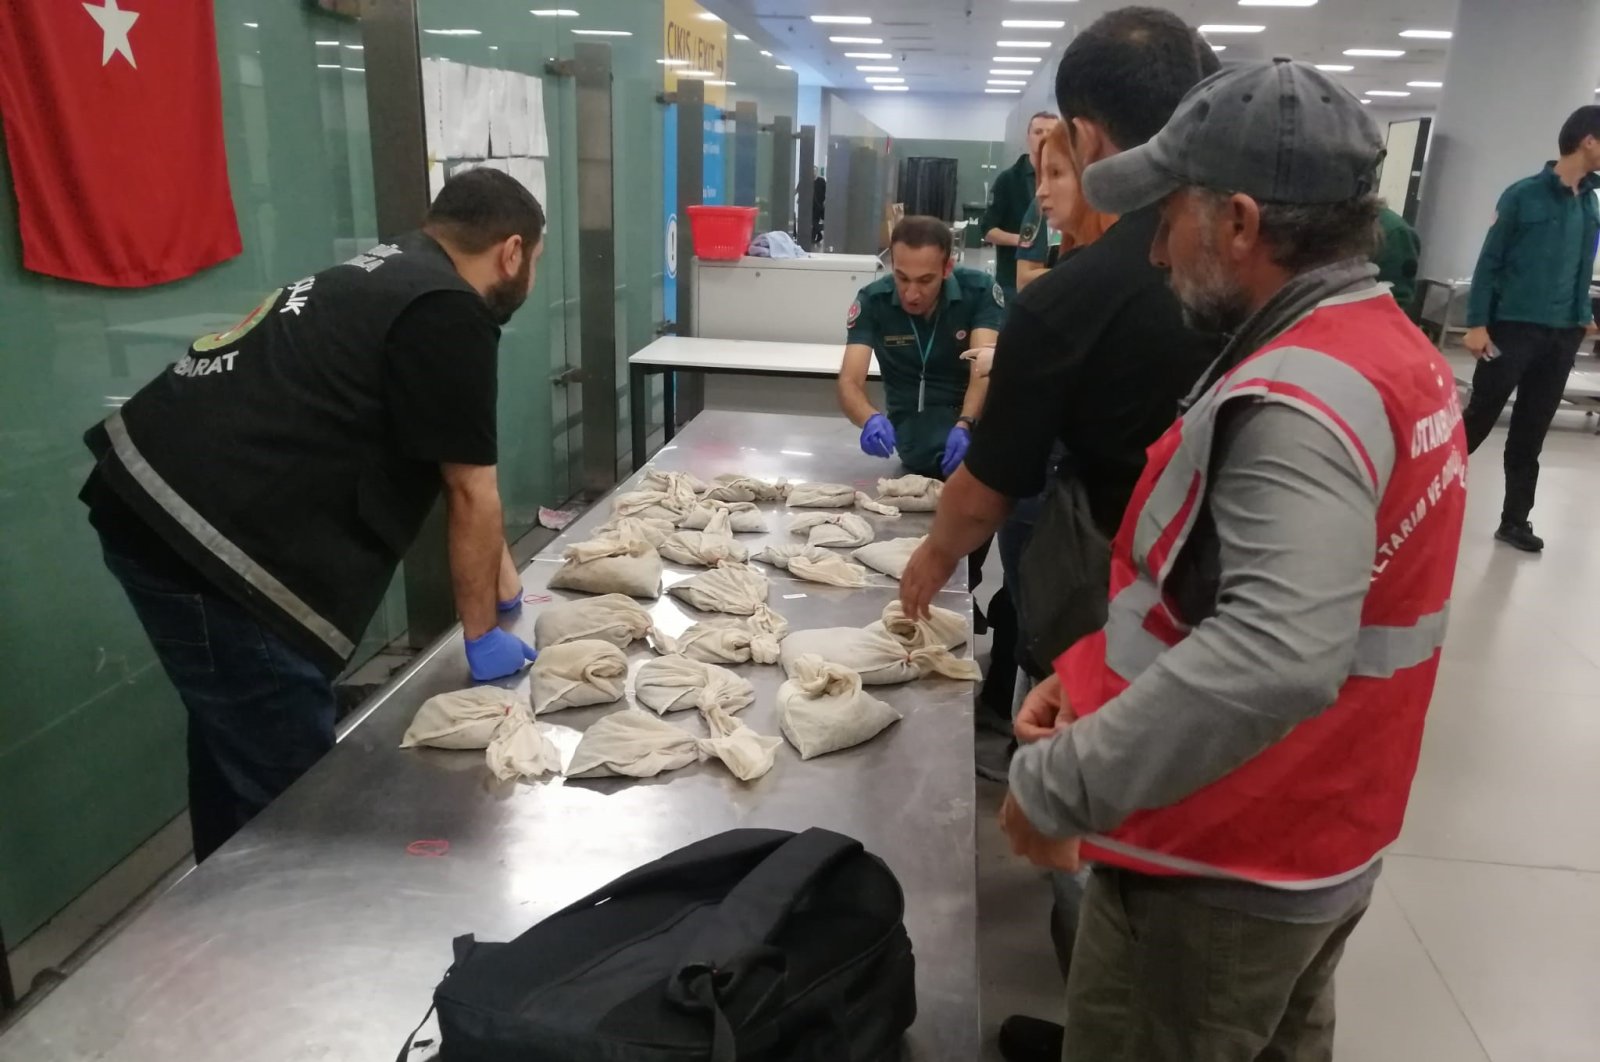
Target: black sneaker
[
  {"x": 1025, "y": 1039},
  {"x": 1520, "y": 536}
]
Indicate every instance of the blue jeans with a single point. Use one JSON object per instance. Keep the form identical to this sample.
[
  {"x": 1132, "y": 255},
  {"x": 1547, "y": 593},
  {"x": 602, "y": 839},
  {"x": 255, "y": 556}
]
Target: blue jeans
[{"x": 260, "y": 713}]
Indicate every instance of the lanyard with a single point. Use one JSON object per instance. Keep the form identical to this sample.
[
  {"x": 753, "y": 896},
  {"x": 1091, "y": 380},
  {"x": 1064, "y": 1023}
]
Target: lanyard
[{"x": 926, "y": 351}]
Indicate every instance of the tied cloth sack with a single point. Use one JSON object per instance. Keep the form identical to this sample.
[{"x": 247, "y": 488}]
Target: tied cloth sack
[
  {"x": 739, "y": 518},
  {"x": 578, "y": 674},
  {"x": 737, "y": 589},
  {"x": 645, "y": 529},
  {"x": 821, "y": 496},
  {"x": 614, "y": 618},
  {"x": 628, "y": 566},
  {"x": 676, "y": 484},
  {"x": 677, "y": 683},
  {"x": 843, "y": 530},
  {"x": 704, "y": 549},
  {"x": 636, "y": 744},
  {"x": 490, "y": 718},
  {"x": 864, "y": 501},
  {"x": 892, "y": 649},
  {"x": 889, "y": 557},
  {"x": 815, "y": 564},
  {"x": 822, "y": 708},
  {"x": 910, "y": 494},
  {"x": 732, "y": 487},
  {"x": 730, "y": 641}
]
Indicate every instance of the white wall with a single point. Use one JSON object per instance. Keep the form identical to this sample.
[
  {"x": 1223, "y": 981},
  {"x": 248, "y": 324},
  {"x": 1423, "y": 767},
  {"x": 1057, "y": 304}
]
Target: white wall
[{"x": 934, "y": 115}]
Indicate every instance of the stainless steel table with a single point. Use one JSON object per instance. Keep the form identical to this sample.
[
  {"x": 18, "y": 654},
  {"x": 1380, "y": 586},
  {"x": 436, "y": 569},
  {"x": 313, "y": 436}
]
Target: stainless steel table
[{"x": 320, "y": 930}]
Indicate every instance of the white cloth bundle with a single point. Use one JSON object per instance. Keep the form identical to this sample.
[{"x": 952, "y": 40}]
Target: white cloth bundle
[
  {"x": 737, "y": 589},
  {"x": 911, "y": 494},
  {"x": 815, "y": 564},
  {"x": 844, "y": 530},
  {"x": 822, "y": 708},
  {"x": 821, "y": 496},
  {"x": 578, "y": 674},
  {"x": 733, "y": 487},
  {"x": 742, "y": 518},
  {"x": 614, "y": 618},
  {"x": 704, "y": 549},
  {"x": 636, "y": 744},
  {"x": 864, "y": 501},
  {"x": 890, "y": 650},
  {"x": 522, "y": 748},
  {"x": 461, "y": 719},
  {"x": 651, "y": 529},
  {"x": 674, "y": 483},
  {"x": 754, "y": 639},
  {"x": 647, "y": 505},
  {"x": 890, "y": 556},
  {"x": 676, "y": 683},
  {"x": 611, "y": 566}
]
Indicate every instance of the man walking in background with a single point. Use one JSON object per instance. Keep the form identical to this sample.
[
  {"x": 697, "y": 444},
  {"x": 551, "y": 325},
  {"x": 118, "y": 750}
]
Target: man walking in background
[
  {"x": 1529, "y": 311},
  {"x": 1008, "y": 205}
]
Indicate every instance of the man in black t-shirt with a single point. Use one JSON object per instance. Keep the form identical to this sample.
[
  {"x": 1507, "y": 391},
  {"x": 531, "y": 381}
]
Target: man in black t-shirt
[
  {"x": 1095, "y": 355},
  {"x": 255, "y": 499}
]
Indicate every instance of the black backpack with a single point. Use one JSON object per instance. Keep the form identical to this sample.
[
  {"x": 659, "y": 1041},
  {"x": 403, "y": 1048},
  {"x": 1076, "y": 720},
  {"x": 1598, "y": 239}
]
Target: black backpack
[{"x": 755, "y": 945}]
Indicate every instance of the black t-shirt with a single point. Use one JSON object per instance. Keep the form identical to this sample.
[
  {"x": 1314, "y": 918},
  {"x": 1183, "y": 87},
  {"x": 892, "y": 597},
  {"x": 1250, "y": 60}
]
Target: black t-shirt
[{"x": 1095, "y": 353}]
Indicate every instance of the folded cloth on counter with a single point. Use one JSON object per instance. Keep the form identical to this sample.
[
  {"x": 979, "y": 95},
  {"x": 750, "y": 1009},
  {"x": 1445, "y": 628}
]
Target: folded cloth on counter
[
  {"x": 636, "y": 744},
  {"x": 733, "y": 487},
  {"x": 705, "y": 549},
  {"x": 675, "y": 483},
  {"x": 741, "y": 518},
  {"x": 754, "y": 639},
  {"x": 889, "y": 556},
  {"x": 461, "y": 719},
  {"x": 677, "y": 683},
  {"x": 910, "y": 494},
  {"x": 614, "y": 618},
  {"x": 578, "y": 674},
  {"x": 864, "y": 501},
  {"x": 844, "y": 530},
  {"x": 889, "y": 650},
  {"x": 822, "y": 708},
  {"x": 821, "y": 496},
  {"x": 815, "y": 564},
  {"x": 651, "y": 529},
  {"x": 611, "y": 566},
  {"x": 737, "y": 589},
  {"x": 522, "y": 748}
]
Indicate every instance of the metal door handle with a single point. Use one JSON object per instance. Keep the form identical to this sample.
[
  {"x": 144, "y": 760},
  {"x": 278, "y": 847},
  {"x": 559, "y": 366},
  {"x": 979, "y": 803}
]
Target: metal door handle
[{"x": 570, "y": 375}]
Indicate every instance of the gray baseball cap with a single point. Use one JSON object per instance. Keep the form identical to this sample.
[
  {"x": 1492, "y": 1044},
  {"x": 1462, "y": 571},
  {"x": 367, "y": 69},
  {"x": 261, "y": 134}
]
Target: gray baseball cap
[{"x": 1278, "y": 131}]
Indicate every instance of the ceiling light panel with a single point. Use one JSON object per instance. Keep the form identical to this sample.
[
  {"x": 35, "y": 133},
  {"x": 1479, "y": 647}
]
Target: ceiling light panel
[
  {"x": 1374, "y": 53},
  {"x": 841, "y": 20},
  {"x": 1229, "y": 27},
  {"x": 1033, "y": 23},
  {"x": 1023, "y": 44},
  {"x": 1427, "y": 34},
  {"x": 856, "y": 40}
]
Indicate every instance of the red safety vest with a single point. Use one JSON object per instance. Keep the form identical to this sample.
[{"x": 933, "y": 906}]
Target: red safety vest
[{"x": 1318, "y": 807}]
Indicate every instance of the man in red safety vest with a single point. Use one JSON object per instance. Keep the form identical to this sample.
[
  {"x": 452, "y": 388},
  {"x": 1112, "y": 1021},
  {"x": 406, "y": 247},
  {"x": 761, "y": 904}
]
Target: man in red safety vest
[{"x": 1234, "y": 750}]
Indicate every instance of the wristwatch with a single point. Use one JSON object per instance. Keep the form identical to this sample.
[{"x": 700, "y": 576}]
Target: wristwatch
[{"x": 971, "y": 422}]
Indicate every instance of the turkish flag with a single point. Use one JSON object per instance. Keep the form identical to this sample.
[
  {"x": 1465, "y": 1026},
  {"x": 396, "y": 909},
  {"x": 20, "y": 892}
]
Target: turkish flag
[{"x": 113, "y": 122}]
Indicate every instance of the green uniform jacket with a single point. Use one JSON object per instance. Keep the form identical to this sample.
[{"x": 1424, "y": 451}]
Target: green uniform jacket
[
  {"x": 924, "y": 378},
  {"x": 1008, "y": 204},
  {"x": 1397, "y": 257},
  {"x": 1538, "y": 258}
]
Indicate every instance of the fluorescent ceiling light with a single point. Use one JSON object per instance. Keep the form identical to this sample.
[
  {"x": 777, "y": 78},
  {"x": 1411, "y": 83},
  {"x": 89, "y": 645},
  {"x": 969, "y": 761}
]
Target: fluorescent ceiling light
[
  {"x": 1219, "y": 47},
  {"x": 1427, "y": 34},
  {"x": 553, "y": 12},
  {"x": 1277, "y": 3},
  {"x": 706, "y": 16},
  {"x": 886, "y": 81},
  {"x": 1011, "y": 73},
  {"x": 443, "y": 33},
  {"x": 782, "y": 67},
  {"x": 673, "y": 62},
  {"x": 868, "y": 55},
  {"x": 841, "y": 20},
  {"x": 766, "y": 53},
  {"x": 1335, "y": 68},
  {"x": 1023, "y": 44},
  {"x": 355, "y": 70},
  {"x": 1386, "y": 92},
  {"x": 740, "y": 37},
  {"x": 1231, "y": 28},
  {"x": 356, "y": 47},
  {"x": 335, "y": 66},
  {"x": 1365, "y": 102},
  {"x": 879, "y": 69},
  {"x": 1003, "y": 92},
  {"x": 327, "y": 44},
  {"x": 252, "y": 25},
  {"x": 1375, "y": 53},
  {"x": 890, "y": 88},
  {"x": 603, "y": 33},
  {"x": 996, "y": 81},
  {"x": 494, "y": 47},
  {"x": 1016, "y": 59},
  {"x": 856, "y": 40},
  {"x": 1425, "y": 84},
  {"x": 1032, "y": 23}
]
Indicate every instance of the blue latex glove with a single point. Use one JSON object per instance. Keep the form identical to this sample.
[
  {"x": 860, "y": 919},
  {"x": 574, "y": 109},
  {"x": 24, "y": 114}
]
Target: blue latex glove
[
  {"x": 877, "y": 436},
  {"x": 956, "y": 445},
  {"x": 496, "y": 654},
  {"x": 511, "y": 604}
]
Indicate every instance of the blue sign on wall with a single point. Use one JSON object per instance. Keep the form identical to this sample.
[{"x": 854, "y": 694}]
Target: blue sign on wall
[{"x": 714, "y": 190}]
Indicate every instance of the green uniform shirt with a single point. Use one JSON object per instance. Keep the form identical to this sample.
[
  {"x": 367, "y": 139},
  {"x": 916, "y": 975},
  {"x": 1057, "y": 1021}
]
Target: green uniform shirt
[
  {"x": 1397, "y": 257},
  {"x": 924, "y": 378},
  {"x": 1538, "y": 258},
  {"x": 1008, "y": 202}
]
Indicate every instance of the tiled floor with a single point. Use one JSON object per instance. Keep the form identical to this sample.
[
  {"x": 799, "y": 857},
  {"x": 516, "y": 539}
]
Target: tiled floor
[{"x": 1483, "y": 940}]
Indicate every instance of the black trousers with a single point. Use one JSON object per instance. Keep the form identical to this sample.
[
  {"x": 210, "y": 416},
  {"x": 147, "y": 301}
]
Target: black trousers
[{"x": 1534, "y": 361}]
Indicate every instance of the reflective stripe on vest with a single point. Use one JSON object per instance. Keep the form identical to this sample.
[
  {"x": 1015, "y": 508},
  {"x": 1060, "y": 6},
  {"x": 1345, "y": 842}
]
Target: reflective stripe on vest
[
  {"x": 1194, "y": 869},
  {"x": 223, "y": 548}
]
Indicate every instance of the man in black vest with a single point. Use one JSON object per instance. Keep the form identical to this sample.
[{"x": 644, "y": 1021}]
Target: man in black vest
[{"x": 255, "y": 499}]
